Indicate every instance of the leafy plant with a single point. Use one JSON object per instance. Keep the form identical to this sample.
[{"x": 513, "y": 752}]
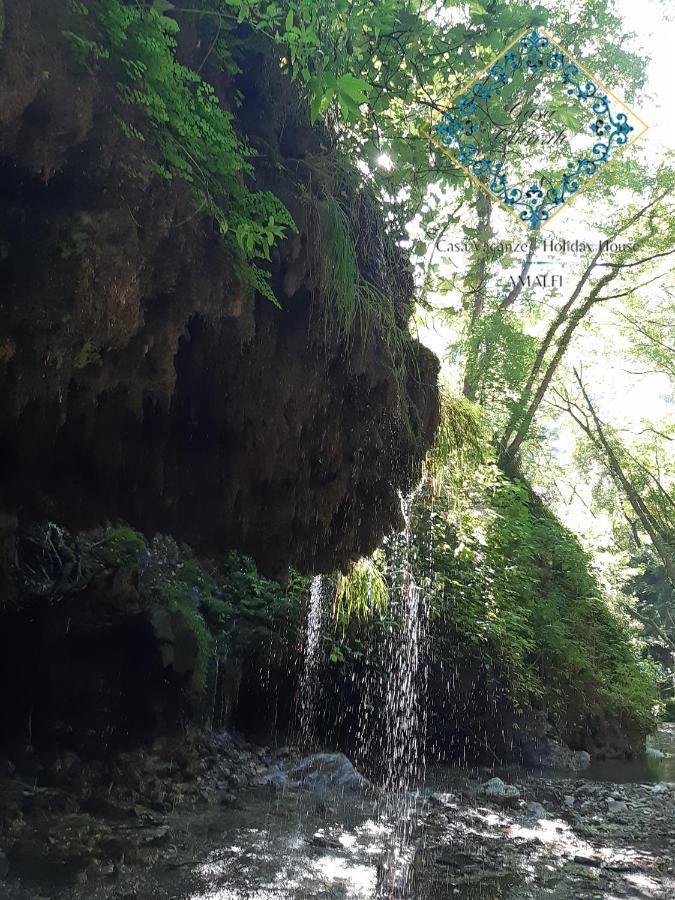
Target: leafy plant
[
  {"x": 187, "y": 134},
  {"x": 361, "y": 592}
]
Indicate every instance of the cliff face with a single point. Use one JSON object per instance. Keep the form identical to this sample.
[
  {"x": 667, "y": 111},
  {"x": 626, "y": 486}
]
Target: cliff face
[{"x": 139, "y": 378}]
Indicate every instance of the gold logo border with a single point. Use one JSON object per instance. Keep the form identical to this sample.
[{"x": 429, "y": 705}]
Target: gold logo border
[{"x": 426, "y": 128}]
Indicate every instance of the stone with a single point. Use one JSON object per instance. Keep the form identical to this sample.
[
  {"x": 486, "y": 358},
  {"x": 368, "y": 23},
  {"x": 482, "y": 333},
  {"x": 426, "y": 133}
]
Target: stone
[
  {"x": 101, "y": 806},
  {"x": 282, "y": 752},
  {"x": 663, "y": 787},
  {"x": 582, "y": 760},
  {"x": 616, "y": 806},
  {"x": 274, "y": 776},
  {"x": 548, "y": 752},
  {"x": 158, "y": 837},
  {"x": 535, "y": 810},
  {"x": 324, "y": 842},
  {"x": 227, "y": 798},
  {"x": 237, "y": 780},
  {"x": 323, "y": 771},
  {"x": 585, "y": 859},
  {"x": 442, "y": 799},
  {"x": 500, "y": 792}
]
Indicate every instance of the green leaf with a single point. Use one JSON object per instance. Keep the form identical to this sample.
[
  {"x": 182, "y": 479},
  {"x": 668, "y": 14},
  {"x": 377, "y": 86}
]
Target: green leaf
[
  {"x": 315, "y": 108},
  {"x": 354, "y": 88},
  {"x": 567, "y": 117},
  {"x": 288, "y": 24},
  {"x": 162, "y": 6}
]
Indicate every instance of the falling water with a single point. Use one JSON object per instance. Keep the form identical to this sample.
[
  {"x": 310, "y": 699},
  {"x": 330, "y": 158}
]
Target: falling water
[
  {"x": 392, "y": 727},
  {"x": 309, "y": 683},
  {"x": 404, "y": 708}
]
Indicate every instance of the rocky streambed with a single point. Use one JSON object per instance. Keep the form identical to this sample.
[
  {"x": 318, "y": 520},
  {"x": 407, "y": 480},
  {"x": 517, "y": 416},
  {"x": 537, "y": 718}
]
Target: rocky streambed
[{"x": 212, "y": 817}]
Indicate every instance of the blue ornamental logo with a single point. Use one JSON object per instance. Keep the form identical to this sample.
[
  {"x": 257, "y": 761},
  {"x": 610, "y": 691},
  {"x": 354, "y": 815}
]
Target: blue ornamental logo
[{"x": 535, "y": 128}]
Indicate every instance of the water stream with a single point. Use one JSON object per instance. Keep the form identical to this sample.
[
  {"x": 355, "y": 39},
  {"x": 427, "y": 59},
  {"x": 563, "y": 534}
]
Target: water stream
[
  {"x": 311, "y": 673},
  {"x": 405, "y": 706}
]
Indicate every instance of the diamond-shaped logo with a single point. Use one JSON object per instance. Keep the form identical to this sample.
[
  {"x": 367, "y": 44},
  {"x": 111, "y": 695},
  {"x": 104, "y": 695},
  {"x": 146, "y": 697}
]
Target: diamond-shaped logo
[{"x": 534, "y": 129}]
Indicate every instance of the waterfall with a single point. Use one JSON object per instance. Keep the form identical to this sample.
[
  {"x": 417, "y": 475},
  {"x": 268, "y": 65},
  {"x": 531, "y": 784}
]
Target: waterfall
[
  {"x": 405, "y": 692},
  {"x": 393, "y": 717},
  {"x": 310, "y": 674},
  {"x": 405, "y": 715}
]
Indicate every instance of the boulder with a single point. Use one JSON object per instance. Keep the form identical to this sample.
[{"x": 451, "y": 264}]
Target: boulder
[
  {"x": 548, "y": 752},
  {"x": 328, "y": 771},
  {"x": 663, "y": 787},
  {"x": 535, "y": 810},
  {"x": 499, "y": 792}
]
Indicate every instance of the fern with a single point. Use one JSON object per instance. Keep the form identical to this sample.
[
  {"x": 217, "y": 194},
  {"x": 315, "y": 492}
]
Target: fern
[{"x": 189, "y": 136}]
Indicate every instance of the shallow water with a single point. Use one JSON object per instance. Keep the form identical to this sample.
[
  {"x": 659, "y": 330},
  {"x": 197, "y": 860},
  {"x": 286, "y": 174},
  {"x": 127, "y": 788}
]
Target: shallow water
[
  {"x": 657, "y": 765},
  {"x": 650, "y": 770},
  {"x": 298, "y": 844},
  {"x": 300, "y": 847}
]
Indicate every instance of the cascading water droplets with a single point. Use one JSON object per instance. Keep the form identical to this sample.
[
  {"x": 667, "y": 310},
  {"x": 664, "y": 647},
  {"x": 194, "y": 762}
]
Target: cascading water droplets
[
  {"x": 310, "y": 674},
  {"x": 404, "y": 706}
]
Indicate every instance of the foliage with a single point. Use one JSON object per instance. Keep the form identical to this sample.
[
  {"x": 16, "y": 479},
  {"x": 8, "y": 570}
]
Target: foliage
[
  {"x": 376, "y": 72},
  {"x": 265, "y": 613},
  {"x": 505, "y": 357},
  {"x": 354, "y": 306},
  {"x": 187, "y": 134},
  {"x": 642, "y": 475},
  {"x": 227, "y": 606},
  {"x": 510, "y": 580},
  {"x": 360, "y": 593},
  {"x": 654, "y": 599},
  {"x": 119, "y": 546},
  {"x": 460, "y": 445},
  {"x": 507, "y": 585}
]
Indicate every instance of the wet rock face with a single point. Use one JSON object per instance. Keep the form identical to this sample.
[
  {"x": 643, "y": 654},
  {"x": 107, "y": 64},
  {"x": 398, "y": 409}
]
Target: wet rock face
[{"x": 139, "y": 379}]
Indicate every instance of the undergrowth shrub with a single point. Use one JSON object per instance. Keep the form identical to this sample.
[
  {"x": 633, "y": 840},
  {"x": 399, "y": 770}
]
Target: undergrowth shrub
[
  {"x": 512, "y": 582},
  {"x": 511, "y": 593},
  {"x": 356, "y": 307},
  {"x": 227, "y": 606},
  {"x": 230, "y": 608}
]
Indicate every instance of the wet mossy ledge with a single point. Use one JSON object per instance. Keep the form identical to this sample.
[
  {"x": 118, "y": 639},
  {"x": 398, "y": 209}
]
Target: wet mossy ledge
[
  {"x": 145, "y": 373},
  {"x": 109, "y": 639}
]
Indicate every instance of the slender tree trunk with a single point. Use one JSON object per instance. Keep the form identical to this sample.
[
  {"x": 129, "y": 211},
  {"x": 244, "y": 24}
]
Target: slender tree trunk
[
  {"x": 470, "y": 386},
  {"x": 641, "y": 511},
  {"x": 528, "y": 404}
]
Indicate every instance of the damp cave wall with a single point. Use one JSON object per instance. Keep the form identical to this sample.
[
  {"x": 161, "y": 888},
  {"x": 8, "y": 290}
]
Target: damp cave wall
[{"x": 141, "y": 380}]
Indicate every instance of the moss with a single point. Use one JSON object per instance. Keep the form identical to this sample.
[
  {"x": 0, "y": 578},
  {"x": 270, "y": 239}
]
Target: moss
[
  {"x": 86, "y": 356},
  {"x": 222, "y": 602},
  {"x": 119, "y": 547},
  {"x": 204, "y": 641}
]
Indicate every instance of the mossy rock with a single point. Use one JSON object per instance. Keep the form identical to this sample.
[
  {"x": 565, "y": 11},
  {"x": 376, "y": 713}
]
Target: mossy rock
[{"x": 120, "y": 546}]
